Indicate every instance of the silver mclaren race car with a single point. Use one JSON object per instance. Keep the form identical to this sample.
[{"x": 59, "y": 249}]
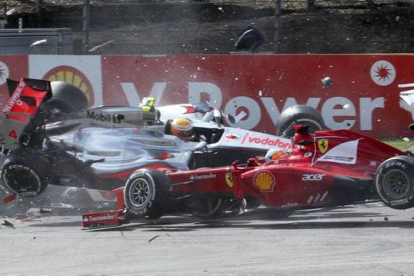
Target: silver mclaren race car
[{"x": 50, "y": 137}]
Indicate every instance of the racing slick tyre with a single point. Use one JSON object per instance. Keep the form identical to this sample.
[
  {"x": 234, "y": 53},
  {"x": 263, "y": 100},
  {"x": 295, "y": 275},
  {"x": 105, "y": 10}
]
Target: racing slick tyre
[
  {"x": 394, "y": 182},
  {"x": 66, "y": 99},
  {"x": 69, "y": 94},
  {"x": 26, "y": 172},
  {"x": 147, "y": 193},
  {"x": 298, "y": 114}
]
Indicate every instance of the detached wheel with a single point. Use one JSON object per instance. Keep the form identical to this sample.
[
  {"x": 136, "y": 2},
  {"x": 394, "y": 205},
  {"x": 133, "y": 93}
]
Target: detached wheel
[
  {"x": 146, "y": 193},
  {"x": 26, "y": 172},
  {"x": 299, "y": 114},
  {"x": 69, "y": 94},
  {"x": 394, "y": 182},
  {"x": 66, "y": 99}
]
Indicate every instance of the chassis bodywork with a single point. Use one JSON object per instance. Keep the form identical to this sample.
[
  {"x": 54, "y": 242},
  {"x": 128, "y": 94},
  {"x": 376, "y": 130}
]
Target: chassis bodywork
[{"x": 329, "y": 168}]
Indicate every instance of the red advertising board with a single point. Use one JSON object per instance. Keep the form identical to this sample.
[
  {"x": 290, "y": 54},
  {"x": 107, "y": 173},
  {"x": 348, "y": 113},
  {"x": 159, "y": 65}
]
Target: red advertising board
[
  {"x": 12, "y": 67},
  {"x": 360, "y": 92}
]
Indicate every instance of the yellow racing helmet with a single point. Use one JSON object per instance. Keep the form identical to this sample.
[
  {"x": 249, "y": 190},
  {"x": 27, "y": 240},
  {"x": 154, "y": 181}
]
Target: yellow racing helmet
[{"x": 182, "y": 128}]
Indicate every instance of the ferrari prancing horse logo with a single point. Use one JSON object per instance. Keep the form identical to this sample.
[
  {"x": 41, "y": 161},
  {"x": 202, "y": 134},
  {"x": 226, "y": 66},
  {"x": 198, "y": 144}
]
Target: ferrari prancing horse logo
[
  {"x": 229, "y": 179},
  {"x": 323, "y": 145}
]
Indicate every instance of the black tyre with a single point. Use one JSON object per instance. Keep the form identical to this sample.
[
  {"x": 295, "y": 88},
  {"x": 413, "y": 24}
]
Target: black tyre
[
  {"x": 394, "y": 182},
  {"x": 147, "y": 193},
  {"x": 26, "y": 172},
  {"x": 299, "y": 114},
  {"x": 69, "y": 94},
  {"x": 66, "y": 99}
]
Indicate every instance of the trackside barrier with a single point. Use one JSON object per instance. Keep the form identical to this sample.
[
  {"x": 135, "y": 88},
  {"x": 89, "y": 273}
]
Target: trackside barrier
[{"x": 358, "y": 92}]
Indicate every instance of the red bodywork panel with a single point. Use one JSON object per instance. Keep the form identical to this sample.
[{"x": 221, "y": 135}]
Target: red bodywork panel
[
  {"x": 208, "y": 180},
  {"x": 107, "y": 218},
  {"x": 276, "y": 185},
  {"x": 21, "y": 108},
  {"x": 24, "y": 102},
  {"x": 303, "y": 177}
]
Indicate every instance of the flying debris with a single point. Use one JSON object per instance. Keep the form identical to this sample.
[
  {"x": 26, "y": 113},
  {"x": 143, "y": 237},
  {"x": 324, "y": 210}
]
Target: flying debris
[
  {"x": 99, "y": 46},
  {"x": 7, "y": 223},
  {"x": 153, "y": 238},
  {"x": 38, "y": 42},
  {"x": 10, "y": 12},
  {"x": 326, "y": 82},
  {"x": 249, "y": 40}
]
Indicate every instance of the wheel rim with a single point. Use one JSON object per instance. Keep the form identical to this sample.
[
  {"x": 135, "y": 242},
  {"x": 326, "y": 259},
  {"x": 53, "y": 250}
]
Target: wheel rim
[
  {"x": 140, "y": 193},
  {"x": 21, "y": 180},
  {"x": 208, "y": 207},
  {"x": 396, "y": 184}
]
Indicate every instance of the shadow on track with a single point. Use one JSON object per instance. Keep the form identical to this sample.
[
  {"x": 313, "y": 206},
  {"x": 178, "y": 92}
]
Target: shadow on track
[{"x": 324, "y": 218}]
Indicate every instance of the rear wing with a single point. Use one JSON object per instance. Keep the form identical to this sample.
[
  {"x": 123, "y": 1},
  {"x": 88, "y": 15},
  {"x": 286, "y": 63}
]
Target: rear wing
[{"x": 19, "y": 114}]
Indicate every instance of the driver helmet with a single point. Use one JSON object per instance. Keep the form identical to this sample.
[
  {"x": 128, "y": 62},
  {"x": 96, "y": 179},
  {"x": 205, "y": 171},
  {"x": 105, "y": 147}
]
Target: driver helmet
[
  {"x": 273, "y": 154},
  {"x": 182, "y": 128}
]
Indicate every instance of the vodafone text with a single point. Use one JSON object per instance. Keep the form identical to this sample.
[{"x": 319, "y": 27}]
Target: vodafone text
[{"x": 251, "y": 139}]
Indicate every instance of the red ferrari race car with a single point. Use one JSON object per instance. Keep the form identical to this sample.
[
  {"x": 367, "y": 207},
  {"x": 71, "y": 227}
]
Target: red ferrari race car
[{"x": 328, "y": 168}]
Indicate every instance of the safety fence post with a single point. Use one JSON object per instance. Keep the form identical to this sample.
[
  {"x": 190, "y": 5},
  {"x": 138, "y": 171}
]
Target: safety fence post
[
  {"x": 86, "y": 17},
  {"x": 278, "y": 24}
]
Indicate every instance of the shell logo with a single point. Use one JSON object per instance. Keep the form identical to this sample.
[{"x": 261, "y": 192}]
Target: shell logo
[
  {"x": 72, "y": 76},
  {"x": 264, "y": 181}
]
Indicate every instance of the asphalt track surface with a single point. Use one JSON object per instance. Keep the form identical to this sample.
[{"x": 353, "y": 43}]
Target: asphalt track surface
[{"x": 367, "y": 239}]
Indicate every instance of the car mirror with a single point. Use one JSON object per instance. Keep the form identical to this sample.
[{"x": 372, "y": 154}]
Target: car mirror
[
  {"x": 231, "y": 119},
  {"x": 202, "y": 107}
]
